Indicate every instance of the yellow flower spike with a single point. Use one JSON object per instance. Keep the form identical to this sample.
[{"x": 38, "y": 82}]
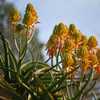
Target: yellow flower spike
[
  {"x": 57, "y": 38},
  {"x": 62, "y": 29},
  {"x": 30, "y": 16},
  {"x": 83, "y": 52},
  {"x": 28, "y": 19},
  {"x": 68, "y": 59},
  {"x": 92, "y": 42},
  {"x": 52, "y": 44},
  {"x": 76, "y": 36},
  {"x": 84, "y": 40},
  {"x": 29, "y": 7},
  {"x": 72, "y": 29},
  {"x": 14, "y": 16},
  {"x": 69, "y": 45}
]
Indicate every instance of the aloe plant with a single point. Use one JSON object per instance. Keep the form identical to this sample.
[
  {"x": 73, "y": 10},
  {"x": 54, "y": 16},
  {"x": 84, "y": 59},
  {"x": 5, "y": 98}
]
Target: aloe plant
[{"x": 70, "y": 76}]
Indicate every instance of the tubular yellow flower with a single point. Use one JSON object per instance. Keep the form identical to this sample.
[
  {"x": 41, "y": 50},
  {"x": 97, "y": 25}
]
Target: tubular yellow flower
[
  {"x": 83, "y": 52},
  {"x": 14, "y": 16},
  {"x": 84, "y": 40},
  {"x": 53, "y": 39},
  {"x": 93, "y": 59},
  {"x": 62, "y": 29},
  {"x": 62, "y": 33},
  {"x": 68, "y": 63},
  {"x": 30, "y": 16},
  {"x": 68, "y": 70},
  {"x": 92, "y": 42},
  {"x": 30, "y": 8},
  {"x": 76, "y": 36},
  {"x": 68, "y": 59},
  {"x": 72, "y": 29},
  {"x": 85, "y": 65},
  {"x": 69, "y": 45},
  {"x": 51, "y": 46}
]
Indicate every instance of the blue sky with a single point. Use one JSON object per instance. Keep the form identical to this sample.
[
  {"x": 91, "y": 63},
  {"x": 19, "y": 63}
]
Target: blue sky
[{"x": 84, "y": 13}]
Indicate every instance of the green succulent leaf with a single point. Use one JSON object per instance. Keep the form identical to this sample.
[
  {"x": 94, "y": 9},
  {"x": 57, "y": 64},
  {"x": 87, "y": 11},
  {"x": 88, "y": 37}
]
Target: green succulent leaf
[{"x": 5, "y": 85}]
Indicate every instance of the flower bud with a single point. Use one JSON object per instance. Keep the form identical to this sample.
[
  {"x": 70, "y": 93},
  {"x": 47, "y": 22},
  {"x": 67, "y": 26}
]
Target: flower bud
[
  {"x": 83, "y": 52},
  {"x": 14, "y": 16},
  {"x": 92, "y": 42},
  {"x": 72, "y": 29}
]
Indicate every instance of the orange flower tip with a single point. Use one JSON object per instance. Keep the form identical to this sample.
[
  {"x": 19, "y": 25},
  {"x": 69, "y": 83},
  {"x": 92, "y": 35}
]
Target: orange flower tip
[{"x": 97, "y": 69}]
